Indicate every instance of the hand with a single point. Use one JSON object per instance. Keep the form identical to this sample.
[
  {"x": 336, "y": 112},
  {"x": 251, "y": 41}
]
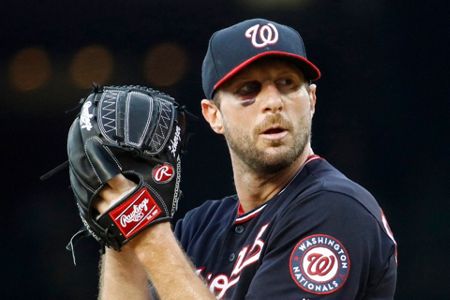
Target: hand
[{"x": 116, "y": 189}]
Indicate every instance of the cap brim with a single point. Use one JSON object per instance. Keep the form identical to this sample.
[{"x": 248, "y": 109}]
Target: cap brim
[{"x": 309, "y": 69}]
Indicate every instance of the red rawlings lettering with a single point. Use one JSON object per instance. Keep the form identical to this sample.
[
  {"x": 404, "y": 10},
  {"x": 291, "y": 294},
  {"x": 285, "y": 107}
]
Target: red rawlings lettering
[{"x": 135, "y": 212}]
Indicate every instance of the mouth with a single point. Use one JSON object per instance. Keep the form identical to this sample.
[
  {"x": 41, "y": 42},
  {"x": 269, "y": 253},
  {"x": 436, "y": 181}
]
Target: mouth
[{"x": 274, "y": 133}]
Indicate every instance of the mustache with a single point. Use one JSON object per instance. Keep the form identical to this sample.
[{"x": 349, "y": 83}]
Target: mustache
[{"x": 273, "y": 120}]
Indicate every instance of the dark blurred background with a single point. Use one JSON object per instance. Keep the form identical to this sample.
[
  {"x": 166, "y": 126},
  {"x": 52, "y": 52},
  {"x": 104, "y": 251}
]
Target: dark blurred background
[{"x": 382, "y": 117}]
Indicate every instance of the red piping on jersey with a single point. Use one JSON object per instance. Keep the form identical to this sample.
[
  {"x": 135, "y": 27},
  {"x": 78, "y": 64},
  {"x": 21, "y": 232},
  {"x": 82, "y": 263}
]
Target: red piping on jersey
[
  {"x": 249, "y": 216},
  {"x": 242, "y": 217},
  {"x": 311, "y": 158}
]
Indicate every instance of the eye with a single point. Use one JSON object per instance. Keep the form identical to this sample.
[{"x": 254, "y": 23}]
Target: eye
[
  {"x": 285, "y": 81},
  {"x": 287, "y": 84},
  {"x": 249, "y": 89}
]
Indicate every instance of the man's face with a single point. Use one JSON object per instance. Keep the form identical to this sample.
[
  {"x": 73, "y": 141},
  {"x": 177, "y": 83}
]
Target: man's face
[{"x": 265, "y": 114}]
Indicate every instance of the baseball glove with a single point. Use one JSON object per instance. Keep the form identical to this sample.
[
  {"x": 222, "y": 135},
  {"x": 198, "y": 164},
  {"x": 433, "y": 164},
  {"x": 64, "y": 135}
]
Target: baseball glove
[{"x": 140, "y": 133}]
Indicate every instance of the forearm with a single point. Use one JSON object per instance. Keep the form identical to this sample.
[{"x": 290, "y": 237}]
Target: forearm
[
  {"x": 122, "y": 276},
  {"x": 153, "y": 254},
  {"x": 170, "y": 270}
]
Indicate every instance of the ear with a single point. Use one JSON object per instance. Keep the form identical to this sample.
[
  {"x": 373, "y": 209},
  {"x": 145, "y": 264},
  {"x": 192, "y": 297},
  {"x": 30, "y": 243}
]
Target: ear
[
  {"x": 312, "y": 97},
  {"x": 212, "y": 115}
]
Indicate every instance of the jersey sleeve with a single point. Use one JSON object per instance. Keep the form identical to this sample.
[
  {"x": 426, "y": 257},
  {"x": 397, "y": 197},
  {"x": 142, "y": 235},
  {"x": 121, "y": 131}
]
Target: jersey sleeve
[
  {"x": 181, "y": 231},
  {"x": 197, "y": 222},
  {"x": 328, "y": 246},
  {"x": 186, "y": 226}
]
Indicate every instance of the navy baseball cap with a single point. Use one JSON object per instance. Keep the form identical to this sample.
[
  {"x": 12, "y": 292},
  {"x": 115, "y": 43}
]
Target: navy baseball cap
[{"x": 233, "y": 48}]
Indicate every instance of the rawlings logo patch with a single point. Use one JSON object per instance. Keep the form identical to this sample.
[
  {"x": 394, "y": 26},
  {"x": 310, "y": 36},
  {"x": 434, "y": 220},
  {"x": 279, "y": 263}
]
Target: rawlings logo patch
[
  {"x": 163, "y": 173},
  {"x": 319, "y": 264},
  {"x": 85, "y": 117},
  {"x": 135, "y": 213}
]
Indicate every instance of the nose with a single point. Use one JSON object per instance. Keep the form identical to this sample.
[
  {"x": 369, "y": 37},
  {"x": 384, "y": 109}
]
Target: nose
[{"x": 271, "y": 98}]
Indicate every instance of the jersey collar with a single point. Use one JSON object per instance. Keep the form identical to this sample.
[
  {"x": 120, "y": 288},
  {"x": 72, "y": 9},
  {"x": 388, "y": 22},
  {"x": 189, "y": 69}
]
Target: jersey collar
[{"x": 244, "y": 217}]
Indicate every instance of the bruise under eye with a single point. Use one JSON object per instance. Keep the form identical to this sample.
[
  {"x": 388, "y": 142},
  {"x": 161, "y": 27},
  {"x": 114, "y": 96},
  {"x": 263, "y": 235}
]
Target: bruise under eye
[{"x": 248, "y": 101}]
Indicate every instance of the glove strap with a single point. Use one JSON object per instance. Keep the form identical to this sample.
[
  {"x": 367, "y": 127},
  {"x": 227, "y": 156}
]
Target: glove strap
[
  {"x": 135, "y": 213},
  {"x": 131, "y": 215}
]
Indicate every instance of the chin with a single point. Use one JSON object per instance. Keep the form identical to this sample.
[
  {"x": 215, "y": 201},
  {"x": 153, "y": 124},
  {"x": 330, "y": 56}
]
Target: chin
[
  {"x": 280, "y": 153},
  {"x": 273, "y": 167},
  {"x": 277, "y": 161}
]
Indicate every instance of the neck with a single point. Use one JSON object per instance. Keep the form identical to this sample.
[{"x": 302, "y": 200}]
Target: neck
[{"x": 254, "y": 189}]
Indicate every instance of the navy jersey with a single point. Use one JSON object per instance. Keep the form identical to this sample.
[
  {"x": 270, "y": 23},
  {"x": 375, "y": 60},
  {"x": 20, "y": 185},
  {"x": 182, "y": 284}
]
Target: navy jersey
[{"x": 322, "y": 237}]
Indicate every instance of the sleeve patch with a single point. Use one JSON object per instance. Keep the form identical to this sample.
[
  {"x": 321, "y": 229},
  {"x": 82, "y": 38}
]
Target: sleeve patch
[{"x": 319, "y": 264}]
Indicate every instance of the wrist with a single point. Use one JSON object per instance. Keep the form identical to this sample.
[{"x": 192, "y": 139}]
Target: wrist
[
  {"x": 125, "y": 255},
  {"x": 149, "y": 240}
]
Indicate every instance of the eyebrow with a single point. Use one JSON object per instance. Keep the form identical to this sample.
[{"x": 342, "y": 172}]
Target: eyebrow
[{"x": 246, "y": 77}]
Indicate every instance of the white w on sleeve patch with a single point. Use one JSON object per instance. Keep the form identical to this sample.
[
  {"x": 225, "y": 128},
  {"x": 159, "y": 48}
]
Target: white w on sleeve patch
[{"x": 319, "y": 264}]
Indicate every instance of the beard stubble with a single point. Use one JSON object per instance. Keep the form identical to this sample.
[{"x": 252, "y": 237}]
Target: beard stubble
[{"x": 244, "y": 144}]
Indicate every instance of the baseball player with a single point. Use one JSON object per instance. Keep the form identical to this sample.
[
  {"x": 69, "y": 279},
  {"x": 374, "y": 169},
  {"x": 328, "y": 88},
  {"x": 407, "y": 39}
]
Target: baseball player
[{"x": 296, "y": 228}]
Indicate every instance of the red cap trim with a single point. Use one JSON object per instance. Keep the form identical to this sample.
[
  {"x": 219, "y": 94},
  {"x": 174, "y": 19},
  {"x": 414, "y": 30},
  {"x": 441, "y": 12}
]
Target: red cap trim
[{"x": 258, "y": 56}]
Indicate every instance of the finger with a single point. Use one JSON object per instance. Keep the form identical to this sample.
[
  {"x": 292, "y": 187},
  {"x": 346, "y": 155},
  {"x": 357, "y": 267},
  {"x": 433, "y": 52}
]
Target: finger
[
  {"x": 102, "y": 206},
  {"x": 116, "y": 189},
  {"x": 121, "y": 183},
  {"x": 105, "y": 199}
]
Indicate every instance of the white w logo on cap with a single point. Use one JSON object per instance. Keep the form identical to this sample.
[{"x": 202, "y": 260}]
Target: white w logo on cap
[{"x": 262, "y": 36}]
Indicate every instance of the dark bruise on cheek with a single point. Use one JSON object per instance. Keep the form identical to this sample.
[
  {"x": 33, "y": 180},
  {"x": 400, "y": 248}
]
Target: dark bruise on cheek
[{"x": 247, "y": 102}]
